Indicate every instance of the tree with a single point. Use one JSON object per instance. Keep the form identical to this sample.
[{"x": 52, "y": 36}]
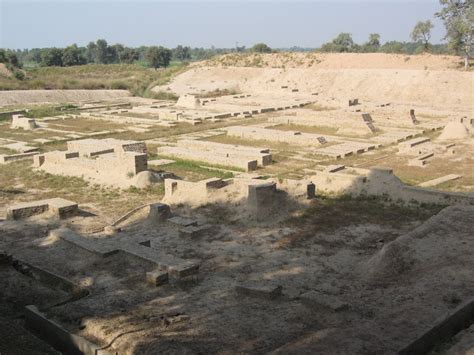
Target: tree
[
  {"x": 12, "y": 59},
  {"x": 3, "y": 56},
  {"x": 261, "y": 48},
  {"x": 158, "y": 57},
  {"x": 422, "y": 32},
  {"x": 342, "y": 43},
  {"x": 182, "y": 53},
  {"x": 91, "y": 52},
  {"x": 33, "y": 55},
  {"x": 113, "y": 53},
  {"x": 52, "y": 57},
  {"x": 458, "y": 18},
  {"x": 372, "y": 45},
  {"x": 72, "y": 56},
  {"x": 128, "y": 55},
  {"x": 374, "y": 41},
  {"x": 102, "y": 51}
]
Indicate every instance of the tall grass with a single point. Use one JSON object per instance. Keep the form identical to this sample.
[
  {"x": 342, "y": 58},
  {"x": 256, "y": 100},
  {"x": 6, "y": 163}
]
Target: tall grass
[{"x": 137, "y": 79}]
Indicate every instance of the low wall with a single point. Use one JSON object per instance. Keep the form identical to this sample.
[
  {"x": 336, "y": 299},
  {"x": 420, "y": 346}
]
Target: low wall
[
  {"x": 180, "y": 191},
  {"x": 14, "y": 157},
  {"x": 443, "y": 330},
  {"x": 55, "y": 335},
  {"x": 14, "y": 97},
  {"x": 57, "y": 206},
  {"x": 381, "y": 181},
  {"x": 211, "y": 157},
  {"x": 22, "y": 122},
  {"x": 109, "y": 169},
  {"x": 262, "y": 155},
  {"x": 273, "y": 135}
]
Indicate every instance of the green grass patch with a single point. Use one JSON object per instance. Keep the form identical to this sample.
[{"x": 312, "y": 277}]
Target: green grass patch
[
  {"x": 49, "y": 110},
  {"x": 196, "y": 171}
]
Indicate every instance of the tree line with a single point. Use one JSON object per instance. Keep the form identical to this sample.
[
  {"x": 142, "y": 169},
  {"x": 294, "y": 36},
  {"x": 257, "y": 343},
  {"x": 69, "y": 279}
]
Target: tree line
[
  {"x": 100, "y": 52},
  {"x": 457, "y": 16}
]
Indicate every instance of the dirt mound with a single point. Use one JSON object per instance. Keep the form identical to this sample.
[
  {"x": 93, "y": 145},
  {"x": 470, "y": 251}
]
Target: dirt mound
[
  {"x": 146, "y": 179},
  {"x": 439, "y": 241},
  {"x": 14, "y": 97},
  {"x": 338, "y": 61},
  {"x": 454, "y": 130},
  {"x": 442, "y": 89},
  {"x": 4, "y": 71}
]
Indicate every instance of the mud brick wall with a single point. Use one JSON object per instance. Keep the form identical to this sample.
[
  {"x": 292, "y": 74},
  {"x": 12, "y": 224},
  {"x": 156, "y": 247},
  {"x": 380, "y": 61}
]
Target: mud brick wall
[{"x": 27, "y": 211}]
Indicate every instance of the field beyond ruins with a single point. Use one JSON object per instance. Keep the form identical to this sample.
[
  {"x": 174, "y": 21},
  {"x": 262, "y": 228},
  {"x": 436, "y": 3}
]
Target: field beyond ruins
[{"x": 279, "y": 203}]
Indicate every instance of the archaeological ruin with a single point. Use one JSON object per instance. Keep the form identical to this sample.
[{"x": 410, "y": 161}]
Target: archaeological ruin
[{"x": 289, "y": 207}]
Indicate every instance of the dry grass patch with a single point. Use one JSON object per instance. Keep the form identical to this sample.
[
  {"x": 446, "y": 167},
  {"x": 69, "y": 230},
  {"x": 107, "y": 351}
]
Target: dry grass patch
[
  {"x": 20, "y": 183},
  {"x": 327, "y": 214}
]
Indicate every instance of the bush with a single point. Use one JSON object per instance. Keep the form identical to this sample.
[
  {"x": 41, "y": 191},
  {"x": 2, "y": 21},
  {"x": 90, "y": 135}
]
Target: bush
[
  {"x": 18, "y": 74},
  {"x": 261, "y": 48},
  {"x": 163, "y": 95},
  {"x": 119, "y": 85}
]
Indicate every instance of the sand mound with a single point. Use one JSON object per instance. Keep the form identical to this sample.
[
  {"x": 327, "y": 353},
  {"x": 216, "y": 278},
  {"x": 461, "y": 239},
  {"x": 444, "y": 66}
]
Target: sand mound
[
  {"x": 338, "y": 61},
  {"x": 439, "y": 241},
  {"x": 454, "y": 130},
  {"x": 145, "y": 179},
  {"x": 14, "y": 97},
  {"x": 4, "y": 71},
  {"x": 373, "y": 85}
]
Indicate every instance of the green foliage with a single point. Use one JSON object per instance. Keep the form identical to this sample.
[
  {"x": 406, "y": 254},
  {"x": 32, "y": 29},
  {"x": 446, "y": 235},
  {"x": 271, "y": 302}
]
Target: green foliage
[
  {"x": 133, "y": 77},
  {"x": 101, "y": 51},
  {"x": 18, "y": 74},
  {"x": 163, "y": 95},
  {"x": 52, "y": 57},
  {"x": 182, "y": 53},
  {"x": 372, "y": 45},
  {"x": 72, "y": 56},
  {"x": 47, "y": 111},
  {"x": 261, "y": 48},
  {"x": 422, "y": 32},
  {"x": 9, "y": 58},
  {"x": 158, "y": 57},
  {"x": 128, "y": 56},
  {"x": 342, "y": 43},
  {"x": 458, "y": 18},
  {"x": 197, "y": 170}
]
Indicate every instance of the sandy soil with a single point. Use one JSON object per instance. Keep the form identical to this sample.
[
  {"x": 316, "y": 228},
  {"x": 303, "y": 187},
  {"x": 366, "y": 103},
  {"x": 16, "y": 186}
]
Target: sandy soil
[
  {"x": 4, "y": 71},
  {"x": 393, "y": 282},
  {"x": 340, "y": 61},
  {"x": 440, "y": 89}
]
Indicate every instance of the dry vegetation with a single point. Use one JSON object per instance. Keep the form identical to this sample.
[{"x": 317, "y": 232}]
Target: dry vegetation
[
  {"x": 21, "y": 183},
  {"x": 135, "y": 78}
]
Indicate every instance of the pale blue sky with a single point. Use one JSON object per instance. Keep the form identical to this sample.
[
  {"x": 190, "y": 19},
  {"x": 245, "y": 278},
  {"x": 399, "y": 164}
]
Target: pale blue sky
[{"x": 41, "y": 23}]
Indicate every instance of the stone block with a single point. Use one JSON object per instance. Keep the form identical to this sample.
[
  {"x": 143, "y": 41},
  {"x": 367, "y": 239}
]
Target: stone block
[
  {"x": 58, "y": 206},
  {"x": 311, "y": 190},
  {"x": 157, "y": 278},
  {"x": 20, "y": 121},
  {"x": 159, "y": 211},
  {"x": 62, "y": 208},
  {"x": 183, "y": 270},
  {"x": 259, "y": 291},
  {"x": 194, "y": 231},
  {"x": 261, "y": 195},
  {"x": 353, "y": 102}
]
